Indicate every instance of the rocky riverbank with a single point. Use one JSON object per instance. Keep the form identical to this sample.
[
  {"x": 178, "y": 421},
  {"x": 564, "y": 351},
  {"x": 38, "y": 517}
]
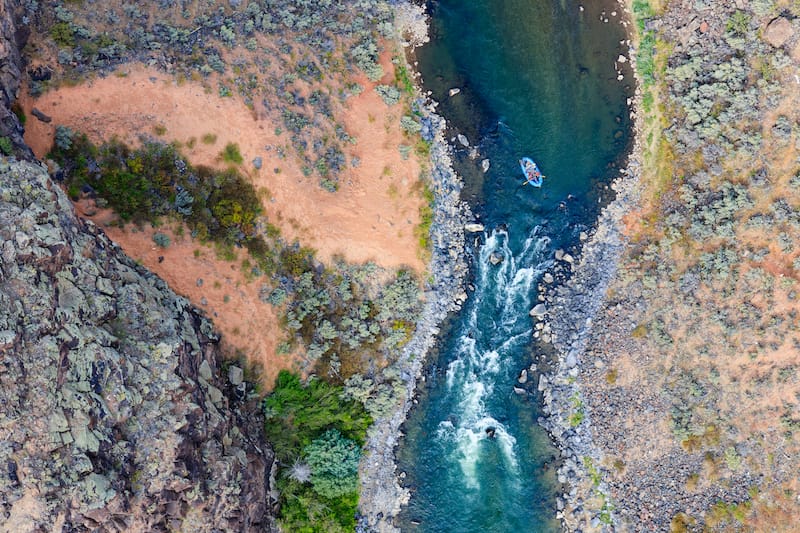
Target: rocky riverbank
[
  {"x": 570, "y": 312},
  {"x": 381, "y": 493},
  {"x": 673, "y": 397},
  {"x": 689, "y": 378}
]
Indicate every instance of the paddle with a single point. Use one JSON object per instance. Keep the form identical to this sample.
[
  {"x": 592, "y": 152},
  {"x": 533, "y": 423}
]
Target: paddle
[{"x": 528, "y": 181}]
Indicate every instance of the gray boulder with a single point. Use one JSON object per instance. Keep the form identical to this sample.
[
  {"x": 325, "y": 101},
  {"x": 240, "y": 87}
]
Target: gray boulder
[{"x": 538, "y": 311}]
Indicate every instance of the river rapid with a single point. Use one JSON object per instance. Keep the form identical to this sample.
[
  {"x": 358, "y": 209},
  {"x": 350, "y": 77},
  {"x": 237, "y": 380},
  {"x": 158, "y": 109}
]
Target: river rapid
[{"x": 537, "y": 79}]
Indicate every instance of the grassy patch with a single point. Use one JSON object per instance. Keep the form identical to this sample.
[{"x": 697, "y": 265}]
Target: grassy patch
[
  {"x": 423, "y": 230},
  {"x": 231, "y": 154},
  {"x": 403, "y": 78},
  {"x": 19, "y": 112}
]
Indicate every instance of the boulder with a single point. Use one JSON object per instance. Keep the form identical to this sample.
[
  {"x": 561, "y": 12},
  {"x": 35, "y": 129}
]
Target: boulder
[
  {"x": 496, "y": 258},
  {"x": 778, "y": 32},
  {"x": 523, "y": 376},
  {"x": 454, "y": 91},
  {"x": 463, "y": 140},
  {"x": 485, "y": 165},
  {"x": 257, "y": 162},
  {"x": 538, "y": 311},
  {"x": 572, "y": 360},
  {"x": 473, "y": 227},
  {"x": 548, "y": 277},
  {"x": 235, "y": 375},
  {"x": 41, "y": 116}
]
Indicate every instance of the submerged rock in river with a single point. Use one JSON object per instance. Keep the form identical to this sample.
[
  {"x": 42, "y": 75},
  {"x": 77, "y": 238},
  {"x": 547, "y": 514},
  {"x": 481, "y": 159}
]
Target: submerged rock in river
[{"x": 496, "y": 258}]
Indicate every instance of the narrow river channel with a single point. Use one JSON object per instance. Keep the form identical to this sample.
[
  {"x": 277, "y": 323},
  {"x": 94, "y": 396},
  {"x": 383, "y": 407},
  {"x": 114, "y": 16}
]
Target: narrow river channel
[{"x": 538, "y": 78}]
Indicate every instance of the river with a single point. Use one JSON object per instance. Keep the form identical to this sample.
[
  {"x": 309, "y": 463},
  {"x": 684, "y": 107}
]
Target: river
[{"x": 537, "y": 78}]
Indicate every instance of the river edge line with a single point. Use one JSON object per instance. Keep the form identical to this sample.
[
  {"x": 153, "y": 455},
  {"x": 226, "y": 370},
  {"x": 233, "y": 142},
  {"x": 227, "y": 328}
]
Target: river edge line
[
  {"x": 382, "y": 496},
  {"x": 585, "y": 503}
]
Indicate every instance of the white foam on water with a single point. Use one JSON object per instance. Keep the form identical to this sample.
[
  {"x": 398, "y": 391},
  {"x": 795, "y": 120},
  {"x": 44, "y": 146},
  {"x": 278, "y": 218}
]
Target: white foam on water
[
  {"x": 468, "y": 438},
  {"x": 501, "y": 300}
]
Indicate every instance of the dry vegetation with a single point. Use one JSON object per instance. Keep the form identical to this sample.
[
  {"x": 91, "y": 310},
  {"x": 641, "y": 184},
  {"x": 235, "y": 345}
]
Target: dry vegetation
[
  {"x": 696, "y": 389},
  {"x": 293, "y": 110}
]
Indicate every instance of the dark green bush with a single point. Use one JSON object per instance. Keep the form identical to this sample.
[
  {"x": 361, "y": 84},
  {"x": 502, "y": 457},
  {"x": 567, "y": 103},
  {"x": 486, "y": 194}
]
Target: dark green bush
[
  {"x": 6, "y": 146},
  {"x": 297, "y": 414},
  {"x": 313, "y": 423},
  {"x": 62, "y": 34}
]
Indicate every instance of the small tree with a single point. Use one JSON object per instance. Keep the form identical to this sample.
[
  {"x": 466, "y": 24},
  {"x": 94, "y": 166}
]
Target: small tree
[{"x": 334, "y": 464}]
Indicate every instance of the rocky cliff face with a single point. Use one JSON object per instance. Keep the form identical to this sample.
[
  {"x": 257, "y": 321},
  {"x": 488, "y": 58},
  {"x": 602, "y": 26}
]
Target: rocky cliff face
[
  {"x": 111, "y": 415},
  {"x": 114, "y": 412},
  {"x": 12, "y": 39}
]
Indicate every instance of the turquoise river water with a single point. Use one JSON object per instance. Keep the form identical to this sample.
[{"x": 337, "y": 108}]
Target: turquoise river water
[{"x": 537, "y": 78}]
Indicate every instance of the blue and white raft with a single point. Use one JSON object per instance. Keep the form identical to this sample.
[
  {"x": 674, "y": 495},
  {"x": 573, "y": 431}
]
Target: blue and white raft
[{"x": 533, "y": 176}]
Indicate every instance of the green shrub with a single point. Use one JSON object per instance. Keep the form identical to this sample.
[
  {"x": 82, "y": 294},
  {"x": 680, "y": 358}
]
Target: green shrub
[
  {"x": 642, "y": 11},
  {"x": 63, "y": 138},
  {"x": 410, "y": 125},
  {"x": 162, "y": 240},
  {"x": 296, "y": 414},
  {"x": 6, "y": 146},
  {"x": 389, "y": 94},
  {"x": 738, "y": 23},
  {"x": 645, "y": 58},
  {"x": 334, "y": 464},
  {"x": 423, "y": 230},
  {"x": 63, "y": 35},
  {"x": 404, "y": 80},
  {"x": 314, "y": 424},
  {"x": 231, "y": 154}
]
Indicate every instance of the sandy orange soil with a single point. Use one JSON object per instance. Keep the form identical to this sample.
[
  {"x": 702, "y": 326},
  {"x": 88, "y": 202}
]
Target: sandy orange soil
[{"x": 371, "y": 217}]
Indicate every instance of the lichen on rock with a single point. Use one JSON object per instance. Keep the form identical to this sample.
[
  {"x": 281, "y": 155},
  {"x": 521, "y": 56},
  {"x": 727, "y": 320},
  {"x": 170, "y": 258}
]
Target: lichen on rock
[{"x": 114, "y": 412}]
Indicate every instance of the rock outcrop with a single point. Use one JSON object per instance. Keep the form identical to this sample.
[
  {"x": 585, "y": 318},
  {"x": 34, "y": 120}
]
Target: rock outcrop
[
  {"x": 114, "y": 412},
  {"x": 12, "y": 39}
]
